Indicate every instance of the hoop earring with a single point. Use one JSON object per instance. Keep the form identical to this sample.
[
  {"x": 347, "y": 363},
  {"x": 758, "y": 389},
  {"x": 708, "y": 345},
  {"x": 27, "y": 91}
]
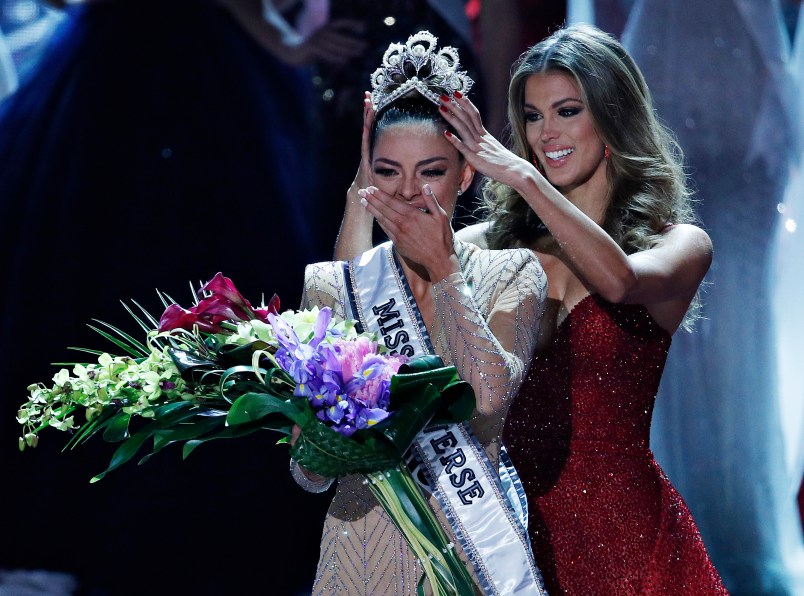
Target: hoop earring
[{"x": 606, "y": 153}]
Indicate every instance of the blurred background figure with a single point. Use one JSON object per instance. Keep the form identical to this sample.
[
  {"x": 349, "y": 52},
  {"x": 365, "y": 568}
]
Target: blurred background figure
[
  {"x": 787, "y": 283},
  {"x": 501, "y": 31},
  {"x": 722, "y": 79},
  {"x": 26, "y": 27},
  {"x": 151, "y": 145},
  {"x": 8, "y": 70}
]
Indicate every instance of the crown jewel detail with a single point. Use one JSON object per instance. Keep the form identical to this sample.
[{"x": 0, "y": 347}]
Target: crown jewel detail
[{"x": 418, "y": 65}]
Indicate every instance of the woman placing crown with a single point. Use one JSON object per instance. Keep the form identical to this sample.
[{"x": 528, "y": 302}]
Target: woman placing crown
[
  {"x": 424, "y": 292},
  {"x": 606, "y": 210}
]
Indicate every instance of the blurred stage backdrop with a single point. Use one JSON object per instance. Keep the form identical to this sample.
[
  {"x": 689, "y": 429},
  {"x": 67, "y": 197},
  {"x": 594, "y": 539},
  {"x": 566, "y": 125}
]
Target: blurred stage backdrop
[{"x": 148, "y": 144}]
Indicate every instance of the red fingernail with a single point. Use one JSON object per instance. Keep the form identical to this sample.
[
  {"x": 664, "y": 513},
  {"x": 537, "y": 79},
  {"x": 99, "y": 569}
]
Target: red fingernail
[
  {"x": 458, "y": 94},
  {"x": 443, "y": 108},
  {"x": 444, "y": 98},
  {"x": 448, "y": 133}
]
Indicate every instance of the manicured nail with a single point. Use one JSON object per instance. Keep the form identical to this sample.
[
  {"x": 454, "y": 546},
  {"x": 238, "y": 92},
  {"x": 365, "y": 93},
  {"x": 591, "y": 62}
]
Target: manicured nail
[
  {"x": 444, "y": 98},
  {"x": 361, "y": 193},
  {"x": 458, "y": 94},
  {"x": 443, "y": 108},
  {"x": 427, "y": 189},
  {"x": 448, "y": 133},
  {"x": 363, "y": 201}
]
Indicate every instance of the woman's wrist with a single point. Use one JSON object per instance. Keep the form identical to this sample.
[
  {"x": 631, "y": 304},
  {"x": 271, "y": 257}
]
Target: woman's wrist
[
  {"x": 353, "y": 195},
  {"x": 357, "y": 227},
  {"x": 310, "y": 482},
  {"x": 529, "y": 181},
  {"x": 445, "y": 270}
]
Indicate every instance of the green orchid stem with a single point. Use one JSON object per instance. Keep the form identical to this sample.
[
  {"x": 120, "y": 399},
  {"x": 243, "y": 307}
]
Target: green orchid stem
[{"x": 400, "y": 496}]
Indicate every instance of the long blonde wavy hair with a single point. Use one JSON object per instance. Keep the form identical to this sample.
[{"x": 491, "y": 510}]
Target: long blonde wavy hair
[{"x": 646, "y": 178}]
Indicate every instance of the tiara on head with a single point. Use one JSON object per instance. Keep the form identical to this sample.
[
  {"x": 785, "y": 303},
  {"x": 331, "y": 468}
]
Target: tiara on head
[{"x": 417, "y": 65}]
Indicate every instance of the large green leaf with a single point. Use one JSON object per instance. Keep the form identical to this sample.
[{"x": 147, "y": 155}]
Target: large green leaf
[
  {"x": 456, "y": 404},
  {"x": 256, "y": 406},
  {"x": 117, "y": 428},
  {"x": 424, "y": 391},
  {"x": 198, "y": 426},
  {"x": 90, "y": 428},
  {"x": 414, "y": 407},
  {"x": 229, "y": 432},
  {"x": 192, "y": 367},
  {"x": 233, "y": 354},
  {"x": 125, "y": 452}
]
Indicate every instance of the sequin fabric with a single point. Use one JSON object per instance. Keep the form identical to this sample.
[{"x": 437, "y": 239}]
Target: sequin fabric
[
  {"x": 604, "y": 518},
  {"x": 485, "y": 324}
]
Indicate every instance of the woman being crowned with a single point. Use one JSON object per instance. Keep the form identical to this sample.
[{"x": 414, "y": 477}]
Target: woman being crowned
[{"x": 425, "y": 292}]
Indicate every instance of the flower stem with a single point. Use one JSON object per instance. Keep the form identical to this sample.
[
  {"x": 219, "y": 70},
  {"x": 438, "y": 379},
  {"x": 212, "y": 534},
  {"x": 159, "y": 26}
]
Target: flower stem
[{"x": 400, "y": 496}]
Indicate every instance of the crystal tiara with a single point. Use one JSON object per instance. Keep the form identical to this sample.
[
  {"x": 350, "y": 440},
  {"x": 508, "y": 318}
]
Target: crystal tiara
[{"x": 417, "y": 65}]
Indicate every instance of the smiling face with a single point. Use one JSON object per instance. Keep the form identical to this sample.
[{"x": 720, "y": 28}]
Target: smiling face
[
  {"x": 408, "y": 155},
  {"x": 561, "y": 133}
]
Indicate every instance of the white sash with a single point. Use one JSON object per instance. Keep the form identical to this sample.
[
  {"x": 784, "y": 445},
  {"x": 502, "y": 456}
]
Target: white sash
[{"x": 486, "y": 523}]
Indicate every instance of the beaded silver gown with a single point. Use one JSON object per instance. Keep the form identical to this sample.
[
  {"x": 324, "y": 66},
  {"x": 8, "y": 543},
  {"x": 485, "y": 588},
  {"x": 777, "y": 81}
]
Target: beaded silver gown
[{"x": 486, "y": 322}]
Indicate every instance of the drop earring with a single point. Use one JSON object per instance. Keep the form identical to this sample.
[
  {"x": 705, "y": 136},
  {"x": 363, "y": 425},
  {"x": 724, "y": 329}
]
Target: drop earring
[
  {"x": 606, "y": 153},
  {"x": 538, "y": 165}
]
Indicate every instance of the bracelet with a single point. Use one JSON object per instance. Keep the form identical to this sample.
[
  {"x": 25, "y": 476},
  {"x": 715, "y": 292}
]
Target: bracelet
[{"x": 308, "y": 484}]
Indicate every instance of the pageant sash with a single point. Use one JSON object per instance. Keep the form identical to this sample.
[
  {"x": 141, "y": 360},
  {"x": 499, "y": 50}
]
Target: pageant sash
[{"x": 485, "y": 522}]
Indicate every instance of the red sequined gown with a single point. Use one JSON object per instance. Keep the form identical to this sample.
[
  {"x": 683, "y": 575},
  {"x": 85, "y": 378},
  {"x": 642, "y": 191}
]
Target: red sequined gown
[{"x": 604, "y": 518}]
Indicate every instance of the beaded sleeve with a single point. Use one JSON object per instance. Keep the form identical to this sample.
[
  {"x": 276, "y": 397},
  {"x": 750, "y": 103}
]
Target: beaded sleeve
[
  {"x": 324, "y": 285},
  {"x": 309, "y": 484},
  {"x": 487, "y": 319}
]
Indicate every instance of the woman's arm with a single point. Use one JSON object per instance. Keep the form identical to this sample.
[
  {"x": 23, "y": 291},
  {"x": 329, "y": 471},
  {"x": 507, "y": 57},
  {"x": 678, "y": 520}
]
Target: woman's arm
[
  {"x": 487, "y": 320},
  {"x": 335, "y": 42},
  {"x": 357, "y": 226},
  {"x": 474, "y": 234},
  {"x": 672, "y": 270}
]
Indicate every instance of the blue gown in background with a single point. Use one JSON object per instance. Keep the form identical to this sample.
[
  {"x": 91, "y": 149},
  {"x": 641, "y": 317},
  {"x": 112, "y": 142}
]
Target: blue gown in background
[
  {"x": 719, "y": 76},
  {"x": 154, "y": 145}
]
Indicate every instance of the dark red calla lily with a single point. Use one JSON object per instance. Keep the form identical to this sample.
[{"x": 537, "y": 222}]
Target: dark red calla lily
[
  {"x": 176, "y": 317},
  {"x": 224, "y": 291},
  {"x": 272, "y": 308},
  {"x": 224, "y": 303}
]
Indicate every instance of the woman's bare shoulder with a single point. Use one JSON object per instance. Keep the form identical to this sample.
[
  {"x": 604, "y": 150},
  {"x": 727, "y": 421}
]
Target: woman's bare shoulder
[
  {"x": 694, "y": 241},
  {"x": 474, "y": 234}
]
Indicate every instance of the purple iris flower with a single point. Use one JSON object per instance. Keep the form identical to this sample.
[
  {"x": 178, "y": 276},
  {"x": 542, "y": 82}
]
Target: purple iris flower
[
  {"x": 346, "y": 382},
  {"x": 370, "y": 416},
  {"x": 303, "y": 361}
]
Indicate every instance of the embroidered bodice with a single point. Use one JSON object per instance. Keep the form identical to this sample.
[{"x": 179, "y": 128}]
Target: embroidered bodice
[{"x": 485, "y": 324}]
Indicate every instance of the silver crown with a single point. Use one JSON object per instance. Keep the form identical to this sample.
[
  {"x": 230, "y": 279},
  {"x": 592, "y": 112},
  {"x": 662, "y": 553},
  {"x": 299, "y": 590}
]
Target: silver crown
[{"x": 417, "y": 65}]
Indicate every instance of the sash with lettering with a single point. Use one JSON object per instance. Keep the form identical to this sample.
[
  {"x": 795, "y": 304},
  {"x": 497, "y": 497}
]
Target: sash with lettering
[{"x": 486, "y": 516}]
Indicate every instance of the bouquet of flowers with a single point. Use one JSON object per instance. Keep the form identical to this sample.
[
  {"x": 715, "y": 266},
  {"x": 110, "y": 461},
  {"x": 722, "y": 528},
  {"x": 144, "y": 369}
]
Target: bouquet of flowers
[{"x": 224, "y": 369}]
